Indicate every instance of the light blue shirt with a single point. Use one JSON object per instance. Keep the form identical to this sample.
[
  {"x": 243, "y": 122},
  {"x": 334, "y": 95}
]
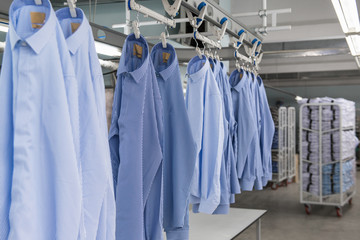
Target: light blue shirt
[
  {"x": 205, "y": 109},
  {"x": 230, "y": 151},
  {"x": 179, "y": 145},
  {"x": 226, "y": 196},
  {"x": 97, "y": 183},
  {"x": 255, "y": 144},
  {"x": 136, "y": 145},
  {"x": 246, "y": 128},
  {"x": 39, "y": 173},
  {"x": 266, "y": 132}
]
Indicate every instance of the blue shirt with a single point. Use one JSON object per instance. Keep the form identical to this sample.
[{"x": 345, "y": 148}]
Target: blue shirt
[
  {"x": 266, "y": 132},
  {"x": 246, "y": 128},
  {"x": 96, "y": 172},
  {"x": 135, "y": 144},
  {"x": 226, "y": 196},
  {"x": 255, "y": 144},
  {"x": 230, "y": 151},
  {"x": 39, "y": 173},
  {"x": 179, "y": 145},
  {"x": 204, "y": 105}
]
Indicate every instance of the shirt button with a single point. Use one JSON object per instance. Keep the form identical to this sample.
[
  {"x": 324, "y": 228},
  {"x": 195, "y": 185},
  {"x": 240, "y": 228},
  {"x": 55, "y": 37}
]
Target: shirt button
[{"x": 24, "y": 44}]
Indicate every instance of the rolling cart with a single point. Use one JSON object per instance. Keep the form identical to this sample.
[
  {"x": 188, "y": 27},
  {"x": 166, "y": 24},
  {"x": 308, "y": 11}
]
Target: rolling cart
[
  {"x": 291, "y": 143},
  {"x": 279, "y": 151},
  {"x": 326, "y": 179}
]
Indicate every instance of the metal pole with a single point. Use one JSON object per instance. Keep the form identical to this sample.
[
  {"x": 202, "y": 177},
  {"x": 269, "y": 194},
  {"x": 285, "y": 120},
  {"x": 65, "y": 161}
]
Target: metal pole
[
  {"x": 147, "y": 23},
  {"x": 264, "y": 16},
  {"x": 301, "y": 153},
  {"x": 258, "y": 229},
  {"x": 320, "y": 153},
  {"x": 269, "y": 12},
  {"x": 127, "y": 19},
  {"x": 175, "y": 36}
]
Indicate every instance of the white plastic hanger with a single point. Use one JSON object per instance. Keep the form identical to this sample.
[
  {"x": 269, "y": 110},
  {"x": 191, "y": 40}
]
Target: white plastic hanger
[
  {"x": 163, "y": 39},
  {"x": 173, "y": 9},
  {"x": 135, "y": 26},
  {"x": 72, "y": 7},
  {"x": 38, "y": 2}
]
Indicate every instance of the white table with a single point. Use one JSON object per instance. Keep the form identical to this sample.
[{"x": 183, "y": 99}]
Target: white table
[{"x": 224, "y": 227}]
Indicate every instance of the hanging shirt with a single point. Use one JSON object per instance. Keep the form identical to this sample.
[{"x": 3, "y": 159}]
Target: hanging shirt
[
  {"x": 231, "y": 145},
  {"x": 266, "y": 133},
  {"x": 179, "y": 146},
  {"x": 226, "y": 197},
  {"x": 39, "y": 173},
  {"x": 246, "y": 128},
  {"x": 204, "y": 105},
  {"x": 255, "y": 144},
  {"x": 135, "y": 144},
  {"x": 96, "y": 172}
]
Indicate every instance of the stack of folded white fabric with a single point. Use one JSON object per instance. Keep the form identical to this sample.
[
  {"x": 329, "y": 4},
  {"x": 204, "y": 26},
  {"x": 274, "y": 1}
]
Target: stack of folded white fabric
[
  {"x": 330, "y": 177},
  {"x": 333, "y": 146}
]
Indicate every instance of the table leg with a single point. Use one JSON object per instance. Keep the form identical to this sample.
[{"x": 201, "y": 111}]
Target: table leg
[{"x": 258, "y": 229}]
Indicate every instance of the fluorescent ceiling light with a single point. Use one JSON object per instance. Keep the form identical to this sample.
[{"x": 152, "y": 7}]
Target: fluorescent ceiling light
[
  {"x": 354, "y": 44},
  {"x": 4, "y": 28},
  {"x": 106, "y": 49},
  {"x": 347, "y": 13},
  {"x": 358, "y": 61}
]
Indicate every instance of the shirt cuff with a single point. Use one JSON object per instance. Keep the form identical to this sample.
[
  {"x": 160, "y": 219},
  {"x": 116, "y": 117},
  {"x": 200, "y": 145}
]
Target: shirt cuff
[
  {"x": 177, "y": 234},
  {"x": 222, "y": 209},
  {"x": 247, "y": 184}
]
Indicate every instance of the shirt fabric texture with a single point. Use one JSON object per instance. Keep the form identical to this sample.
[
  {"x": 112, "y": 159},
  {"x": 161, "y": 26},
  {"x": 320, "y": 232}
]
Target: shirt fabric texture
[
  {"x": 232, "y": 139},
  {"x": 205, "y": 110},
  {"x": 97, "y": 183},
  {"x": 136, "y": 145},
  {"x": 246, "y": 128},
  {"x": 179, "y": 146},
  {"x": 255, "y": 144},
  {"x": 226, "y": 196},
  {"x": 266, "y": 133},
  {"x": 39, "y": 173}
]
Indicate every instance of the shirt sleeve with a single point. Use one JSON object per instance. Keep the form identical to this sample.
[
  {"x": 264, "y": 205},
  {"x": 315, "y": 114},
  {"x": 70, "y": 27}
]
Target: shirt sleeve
[
  {"x": 6, "y": 140},
  {"x": 267, "y": 134},
  {"x": 246, "y": 131},
  {"x": 212, "y": 149},
  {"x": 114, "y": 141}
]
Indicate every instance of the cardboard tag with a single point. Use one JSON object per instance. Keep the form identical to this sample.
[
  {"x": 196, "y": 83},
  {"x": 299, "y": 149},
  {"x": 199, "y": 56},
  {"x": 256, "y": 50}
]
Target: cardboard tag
[
  {"x": 138, "y": 51},
  {"x": 212, "y": 66},
  {"x": 241, "y": 75},
  {"x": 37, "y": 19},
  {"x": 166, "y": 57},
  {"x": 74, "y": 27}
]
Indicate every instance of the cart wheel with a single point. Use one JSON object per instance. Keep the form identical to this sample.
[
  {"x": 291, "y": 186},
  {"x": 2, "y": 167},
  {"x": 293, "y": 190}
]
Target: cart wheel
[
  {"x": 338, "y": 211},
  {"x": 350, "y": 201},
  {"x": 307, "y": 209},
  {"x": 274, "y": 186}
]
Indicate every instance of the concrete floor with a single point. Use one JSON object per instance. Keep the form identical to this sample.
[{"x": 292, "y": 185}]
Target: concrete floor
[{"x": 286, "y": 217}]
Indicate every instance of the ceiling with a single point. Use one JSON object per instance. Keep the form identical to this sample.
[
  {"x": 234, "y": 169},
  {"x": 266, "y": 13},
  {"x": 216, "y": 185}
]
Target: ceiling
[
  {"x": 314, "y": 44},
  {"x": 314, "y": 27}
]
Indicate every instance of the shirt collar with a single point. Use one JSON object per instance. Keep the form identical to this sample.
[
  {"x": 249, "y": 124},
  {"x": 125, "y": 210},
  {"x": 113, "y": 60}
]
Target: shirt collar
[
  {"x": 216, "y": 66},
  {"x": 38, "y": 39},
  {"x": 238, "y": 84},
  {"x": 80, "y": 36},
  {"x": 172, "y": 61},
  {"x": 138, "y": 73},
  {"x": 201, "y": 72}
]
